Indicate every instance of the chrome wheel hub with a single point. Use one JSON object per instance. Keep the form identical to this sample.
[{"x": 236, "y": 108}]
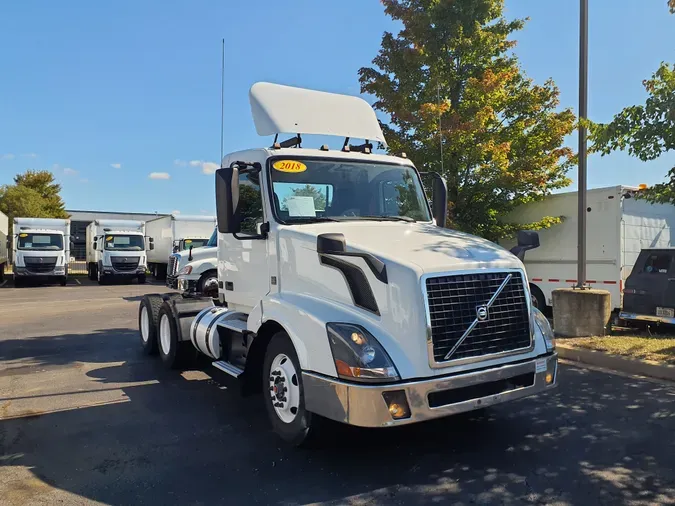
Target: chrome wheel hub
[{"x": 284, "y": 388}]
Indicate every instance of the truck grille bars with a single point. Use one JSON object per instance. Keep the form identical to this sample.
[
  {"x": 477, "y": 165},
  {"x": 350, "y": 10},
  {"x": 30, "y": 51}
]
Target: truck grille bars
[{"x": 477, "y": 314}]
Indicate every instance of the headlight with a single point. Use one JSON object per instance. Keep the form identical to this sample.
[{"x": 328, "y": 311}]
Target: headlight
[
  {"x": 358, "y": 355},
  {"x": 545, "y": 329},
  {"x": 185, "y": 270}
]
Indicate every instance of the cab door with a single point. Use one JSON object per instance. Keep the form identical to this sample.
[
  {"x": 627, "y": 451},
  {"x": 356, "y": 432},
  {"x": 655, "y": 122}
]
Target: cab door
[{"x": 244, "y": 255}]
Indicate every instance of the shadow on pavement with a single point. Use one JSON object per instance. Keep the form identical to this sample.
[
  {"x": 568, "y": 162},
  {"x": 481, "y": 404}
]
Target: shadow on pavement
[{"x": 189, "y": 438}]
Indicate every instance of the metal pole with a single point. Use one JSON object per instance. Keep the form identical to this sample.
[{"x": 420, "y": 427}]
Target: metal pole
[
  {"x": 583, "y": 114},
  {"x": 222, "y": 102}
]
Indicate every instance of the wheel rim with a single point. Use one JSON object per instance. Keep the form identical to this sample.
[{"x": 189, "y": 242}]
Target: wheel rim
[
  {"x": 211, "y": 286},
  {"x": 165, "y": 334},
  {"x": 145, "y": 324},
  {"x": 534, "y": 301},
  {"x": 284, "y": 388}
]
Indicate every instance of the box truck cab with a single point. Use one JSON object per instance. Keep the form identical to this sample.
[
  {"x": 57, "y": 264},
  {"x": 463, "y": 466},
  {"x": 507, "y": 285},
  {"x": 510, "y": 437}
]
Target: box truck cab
[
  {"x": 116, "y": 250},
  {"x": 174, "y": 233},
  {"x": 41, "y": 250},
  {"x": 341, "y": 295},
  {"x": 195, "y": 271}
]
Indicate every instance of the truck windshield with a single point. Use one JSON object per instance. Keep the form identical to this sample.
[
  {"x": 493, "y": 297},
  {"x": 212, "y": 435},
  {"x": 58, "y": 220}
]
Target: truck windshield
[
  {"x": 213, "y": 241},
  {"x": 40, "y": 242},
  {"x": 194, "y": 243},
  {"x": 124, "y": 242},
  {"x": 327, "y": 190}
]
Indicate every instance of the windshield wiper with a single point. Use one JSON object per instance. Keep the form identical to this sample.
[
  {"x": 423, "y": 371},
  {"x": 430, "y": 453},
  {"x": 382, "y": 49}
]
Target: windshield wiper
[
  {"x": 407, "y": 219},
  {"x": 310, "y": 219}
]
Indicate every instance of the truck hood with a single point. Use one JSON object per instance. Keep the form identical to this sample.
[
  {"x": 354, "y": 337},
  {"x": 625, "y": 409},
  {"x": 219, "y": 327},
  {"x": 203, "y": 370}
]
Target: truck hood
[
  {"x": 392, "y": 307},
  {"x": 424, "y": 247},
  {"x": 197, "y": 254}
]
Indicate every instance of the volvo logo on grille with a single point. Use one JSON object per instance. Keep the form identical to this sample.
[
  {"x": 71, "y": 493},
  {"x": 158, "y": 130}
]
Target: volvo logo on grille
[
  {"x": 40, "y": 260},
  {"x": 482, "y": 313}
]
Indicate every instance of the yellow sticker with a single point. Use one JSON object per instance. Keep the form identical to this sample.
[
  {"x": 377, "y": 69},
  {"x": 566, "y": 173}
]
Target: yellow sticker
[
  {"x": 109, "y": 238},
  {"x": 188, "y": 241},
  {"x": 23, "y": 235},
  {"x": 289, "y": 166}
]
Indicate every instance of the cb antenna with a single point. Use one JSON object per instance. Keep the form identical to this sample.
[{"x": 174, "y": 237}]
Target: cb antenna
[{"x": 222, "y": 102}]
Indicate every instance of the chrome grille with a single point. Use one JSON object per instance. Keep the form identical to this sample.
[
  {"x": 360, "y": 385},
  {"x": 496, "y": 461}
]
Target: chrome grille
[
  {"x": 459, "y": 303},
  {"x": 171, "y": 268},
  {"x": 124, "y": 264}
]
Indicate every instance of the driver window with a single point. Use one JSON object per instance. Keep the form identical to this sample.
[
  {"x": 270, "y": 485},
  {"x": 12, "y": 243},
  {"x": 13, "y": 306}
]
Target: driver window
[{"x": 250, "y": 203}]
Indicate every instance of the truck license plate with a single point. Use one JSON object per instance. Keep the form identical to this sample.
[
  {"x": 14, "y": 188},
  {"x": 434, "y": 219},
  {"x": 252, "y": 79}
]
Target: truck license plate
[{"x": 668, "y": 312}]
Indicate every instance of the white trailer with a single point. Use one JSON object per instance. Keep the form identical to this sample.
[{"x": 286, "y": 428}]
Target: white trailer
[
  {"x": 173, "y": 233},
  {"x": 357, "y": 306},
  {"x": 116, "y": 249},
  {"x": 619, "y": 227},
  {"x": 40, "y": 250},
  {"x": 4, "y": 245}
]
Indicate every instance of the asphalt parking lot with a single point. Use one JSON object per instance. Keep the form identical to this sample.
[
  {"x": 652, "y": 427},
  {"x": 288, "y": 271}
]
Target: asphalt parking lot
[{"x": 85, "y": 418}]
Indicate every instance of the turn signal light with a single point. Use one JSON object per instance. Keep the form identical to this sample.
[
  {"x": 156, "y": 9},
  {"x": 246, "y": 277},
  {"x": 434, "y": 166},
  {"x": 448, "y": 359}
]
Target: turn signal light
[
  {"x": 397, "y": 403},
  {"x": 549, "y": 378}
]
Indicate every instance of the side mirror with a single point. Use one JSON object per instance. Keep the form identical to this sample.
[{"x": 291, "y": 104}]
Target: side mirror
[
  {"x": 439, "y": 198},
  {"x": 190, "y": 255},
  {"x": 527, "y": 240},
  {"x": 95, "y": 244},
  {"x": 151, "y": 246},
  {"x": 227, "y": 199}
]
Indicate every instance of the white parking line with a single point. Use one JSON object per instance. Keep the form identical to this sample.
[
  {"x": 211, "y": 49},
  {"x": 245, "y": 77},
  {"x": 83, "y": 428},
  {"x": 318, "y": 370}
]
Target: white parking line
[
  {"x": 3, "y": 283},
  {"x": 77, "y": 281}
]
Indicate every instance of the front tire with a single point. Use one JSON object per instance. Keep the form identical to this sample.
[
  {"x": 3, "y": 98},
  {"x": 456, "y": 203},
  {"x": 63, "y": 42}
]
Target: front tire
[
  {"x": 284, "y": 394},
  {"x": 63, "y": 281},
  {"x": 171, "y": 351},
  {"x": 538, "y": 299},
  {"x": 141, "y": 279},
  {"x": 208, "y": 284},
  {"x": 148, "y": 313},
  {"x": 100, "y": 277}
]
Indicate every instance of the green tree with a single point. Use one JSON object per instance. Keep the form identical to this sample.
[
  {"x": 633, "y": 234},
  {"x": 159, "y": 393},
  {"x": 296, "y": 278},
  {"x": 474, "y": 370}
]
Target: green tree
[
  {"x": 308, "y": 191},
  {"x": 645, "y": 131},
  {"x": 450, "y": 76},
  {"x": 34, "y": 194}
]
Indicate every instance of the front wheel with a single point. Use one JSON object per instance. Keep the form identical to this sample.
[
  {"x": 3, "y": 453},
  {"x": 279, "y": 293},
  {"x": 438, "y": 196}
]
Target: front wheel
[
  {"x": 141, "y": 279},
  {"x": 100, "y": 277},
  {"x": 284, "y": 395},
  {"x": 208, "y": 284},
  {"x": 63, "y": 281}
]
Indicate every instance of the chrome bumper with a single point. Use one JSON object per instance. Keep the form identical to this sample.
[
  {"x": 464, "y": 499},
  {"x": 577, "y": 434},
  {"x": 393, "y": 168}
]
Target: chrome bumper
[
  {"x": 646, "y": 318},
  {"x": 24, "y": 272},
  {"x": 364, "y": 405}
]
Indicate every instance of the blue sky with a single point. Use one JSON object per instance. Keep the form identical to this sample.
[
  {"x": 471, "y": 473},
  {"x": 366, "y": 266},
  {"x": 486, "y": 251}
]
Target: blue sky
[{"x": 107, "y": 93}]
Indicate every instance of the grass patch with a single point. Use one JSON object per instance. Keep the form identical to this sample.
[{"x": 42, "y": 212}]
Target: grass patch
[{"x": 649, "y": 347}]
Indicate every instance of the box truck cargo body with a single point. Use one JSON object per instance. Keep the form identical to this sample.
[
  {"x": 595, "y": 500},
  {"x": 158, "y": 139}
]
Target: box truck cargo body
[
  {"x": 619, "y": 227},
  {"x": 116, "y": 249},
  {"x": 174, "y": 233},
  {"x": 41, "y": 249},
  {"x": 4, "y": 245}
]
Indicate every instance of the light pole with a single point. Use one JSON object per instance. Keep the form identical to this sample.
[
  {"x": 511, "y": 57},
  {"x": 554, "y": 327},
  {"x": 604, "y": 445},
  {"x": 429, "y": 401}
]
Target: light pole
[{"x": 583, "y": 114}]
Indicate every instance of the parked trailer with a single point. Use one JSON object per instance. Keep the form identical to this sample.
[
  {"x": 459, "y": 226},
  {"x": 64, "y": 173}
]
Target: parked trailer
[
  {"x": 116, "y": 249},
  {"x": 619, "y": 227},
  {"x": 352, "y": 306},
  {"x": 41, "y": 250},
  {"x": 174, "y": 233},
  {"x": 4, "y": 245}
]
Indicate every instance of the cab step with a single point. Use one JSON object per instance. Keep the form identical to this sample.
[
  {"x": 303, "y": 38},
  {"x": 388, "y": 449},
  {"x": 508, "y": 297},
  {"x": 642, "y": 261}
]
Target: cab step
[
  {"x": 228, "y": 368},
  {"x": 235, "y": 325}
]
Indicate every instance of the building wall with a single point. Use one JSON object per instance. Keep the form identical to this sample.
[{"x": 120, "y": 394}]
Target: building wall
[{"x": 80, "y": 219}]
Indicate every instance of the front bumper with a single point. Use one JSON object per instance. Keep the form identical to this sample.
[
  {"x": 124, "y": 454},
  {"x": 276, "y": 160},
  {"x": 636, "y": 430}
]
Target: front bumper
[
  {"x": 172, "y": 282},
  {"x": 23, "y": 272},
  {"x": 364, "y": 405},
  {"x": 624, "y": 315},
  {"x": 187, "y": 285},
  {"x": 111, "y": 271}
]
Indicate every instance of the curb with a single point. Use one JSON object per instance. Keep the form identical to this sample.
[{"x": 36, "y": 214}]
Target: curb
[{"x": 617, "y": 363}]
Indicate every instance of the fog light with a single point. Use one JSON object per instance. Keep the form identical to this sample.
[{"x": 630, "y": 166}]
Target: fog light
[
  {"x": 397, "y": 403},
  {"x": 549, "y": 378}
]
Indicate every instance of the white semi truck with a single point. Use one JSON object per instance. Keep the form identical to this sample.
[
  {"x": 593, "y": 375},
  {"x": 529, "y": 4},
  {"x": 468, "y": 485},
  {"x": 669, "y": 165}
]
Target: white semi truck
[
  {"x": 174, "y": 233},
  {"x": 341, "y": 295},
  {"x": 4, "y": 245},
  {"x": 195, "y": 271},
  {"x": 116, "y": 249},
  {"x": 40, "y": 250}
]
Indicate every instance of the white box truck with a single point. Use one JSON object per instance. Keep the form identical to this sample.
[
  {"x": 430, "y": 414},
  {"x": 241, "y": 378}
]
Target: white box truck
[
  {"x": 619, "y": 227},
  {"x": 173, "y": 233},
  {"x": 355, "y": 305},
  {"x": 116, "y": 250},
  {"x": 40, "y": 250},
  {"x": 4, "y": 245},
  {"x": 195, "y": 271}
]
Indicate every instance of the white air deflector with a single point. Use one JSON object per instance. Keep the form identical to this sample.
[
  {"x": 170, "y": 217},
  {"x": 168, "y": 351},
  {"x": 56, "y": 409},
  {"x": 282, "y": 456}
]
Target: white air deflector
[{"x": 284, "y": 109}]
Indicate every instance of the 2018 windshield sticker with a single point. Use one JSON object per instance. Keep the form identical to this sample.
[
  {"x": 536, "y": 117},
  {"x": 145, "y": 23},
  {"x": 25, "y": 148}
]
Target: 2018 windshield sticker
[
  {"x": 23, "y": 235},
  {"x": 109, "y": 238},
  {"x": 289, "y": 166}
]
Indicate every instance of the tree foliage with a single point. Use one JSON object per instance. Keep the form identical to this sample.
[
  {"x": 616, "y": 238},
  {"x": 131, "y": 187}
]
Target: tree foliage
[
  {"x": 308, "y": 191},
  {"x": 34, "y": 194},
  {"x": 452, "y": 68}
]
